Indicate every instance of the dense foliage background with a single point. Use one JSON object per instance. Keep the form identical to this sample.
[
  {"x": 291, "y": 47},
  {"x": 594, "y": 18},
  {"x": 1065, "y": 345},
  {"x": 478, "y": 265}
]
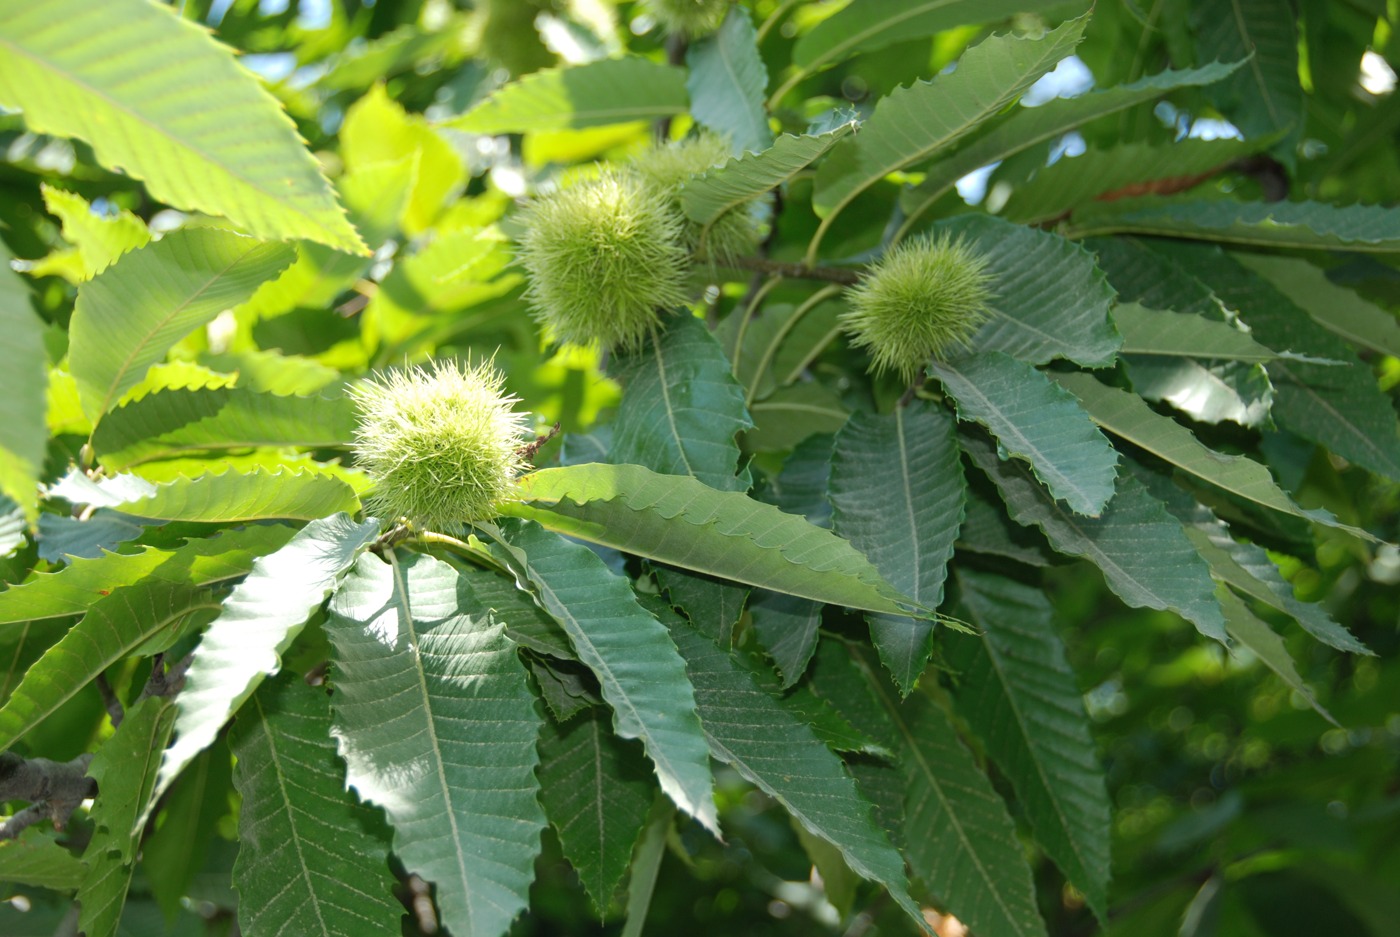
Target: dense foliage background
[{"x": 1154, "y": 496}]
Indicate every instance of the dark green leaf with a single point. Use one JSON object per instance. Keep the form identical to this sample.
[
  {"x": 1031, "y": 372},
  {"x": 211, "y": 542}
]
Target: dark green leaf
[
  {"x": 1025, "y": 127},
  {"x": 785, "y": 625},
  {"x": 1140, "y": 548},
  {"x": 824, "y": 719},
  {"x": 681, "y": 408},
  {"x": 800, "y": 488},
  {"x": 307, "y": 863},
  {"x": 1036, "y": 420},
  {"x": 436, "y": 722},
  {"x": 912, "y": 124},
  {"x": 712, "y": 605},
  {"x": 1210, "y": 390},
  {"x": 770, "y": 748},
  {"x": 772, "y": 348},
  {"x": 712, "y": 193},
  {"x": 960, "y": 840},
  {"x": 897, "y": 494},
  {"x": 597, "y": 792},
  {"x": 1246, "y": 567},
  {"x": 726, "y": 81},
  {"x": 1017, "y": 692},
  {"x": 1264, "y": 96},
  {"x": 1126, "y": 416},
  {"x": 791, "y": 414},
  {"x": 677, "y": 520},
  {"x": 1143, "y": 276},
  {"x": 526, "y": 623},
  {"x": 567, "y": 687},
  {"x": 1049, "y": 300},
  {"x": 1072, "y": 181},
  {"x": 1248, "y": 629},
  {"x": 1270, "y": 224},
  {"x": 125, "y": 771},
  {"x": 787, "y": 628},
  {"x": 646, "y": 863},
  {"x": 178, "y": 849},
  {"x": 874, "y": 24},
  {"x": 986, "y": 529},
  {"x": 958, "y": 837},
  {"x": 1339, "y": 407},
  {"x": 1335, "y": 308},
  {"x": 629, "y": 651}
]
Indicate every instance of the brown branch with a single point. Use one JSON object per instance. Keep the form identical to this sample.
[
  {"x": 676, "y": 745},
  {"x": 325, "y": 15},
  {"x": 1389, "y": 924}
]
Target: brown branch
[
  {"x": 165, "y": 681},
  {"x": 530, "y": 450},
  {"x": 109, "y": 700},
  {"x": 842, "y": 275},
  {"x": 54, "y": 790}
]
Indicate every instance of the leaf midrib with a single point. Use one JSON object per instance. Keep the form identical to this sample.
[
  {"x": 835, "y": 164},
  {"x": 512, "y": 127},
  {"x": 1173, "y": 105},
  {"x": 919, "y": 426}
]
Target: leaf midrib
[
  {"x": 302, "y": 865},
  {"x": 1312, "y": 395},
  {"x": 733, "y": 73},
  {"x": 1255, "y": 65},
  {"x": 915, "y": 546},
  {"x": 1032, "y": 452},
  {"x": 911, "y": 744},
  {"x": 578, "y": 635},
  {"x": 1029, "y": 736},
  {"x": 405, "y": 609},
  {"x": 660, "y": 360}
]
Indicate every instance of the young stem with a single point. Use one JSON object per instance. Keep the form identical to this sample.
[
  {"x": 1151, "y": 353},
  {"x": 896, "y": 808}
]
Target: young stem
[
  {"x": 750, "y": 309},
  {"x": 812, "y": 302},
  {"x": 477, "y": 555},
  {"x": 843, "y": 275}
]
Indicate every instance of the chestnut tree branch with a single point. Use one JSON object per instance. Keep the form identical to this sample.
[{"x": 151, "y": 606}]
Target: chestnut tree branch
[
  {"x": 54, "y": 790},
  {"x": 843, "y": 275},
  {"x": 109, "y": 700}
]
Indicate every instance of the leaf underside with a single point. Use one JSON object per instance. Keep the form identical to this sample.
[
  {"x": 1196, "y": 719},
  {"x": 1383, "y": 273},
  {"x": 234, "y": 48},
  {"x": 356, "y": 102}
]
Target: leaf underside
[{"x": 436, "y": 722}]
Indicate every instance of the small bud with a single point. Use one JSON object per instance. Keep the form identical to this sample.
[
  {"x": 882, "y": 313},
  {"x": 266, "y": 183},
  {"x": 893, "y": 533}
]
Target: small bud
[
  {"x": 737, "y": 232},
  {"x": 441, "y": 445},
  {"x": 603, "y": 255},
  {"x": 922, "y": 300},
  {"x": 692, "y": 18}
]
